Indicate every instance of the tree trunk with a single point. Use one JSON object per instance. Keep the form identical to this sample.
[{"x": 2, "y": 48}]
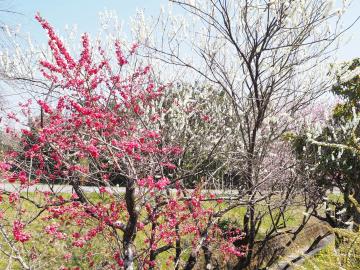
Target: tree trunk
[{"x": 130, "y": 230}]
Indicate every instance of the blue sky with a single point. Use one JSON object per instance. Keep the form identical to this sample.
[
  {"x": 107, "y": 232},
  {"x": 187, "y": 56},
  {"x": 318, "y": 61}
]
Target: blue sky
[
  {"x": 352, "y": 49},
  {"x": 84, "y": 13},
  {"x": 80, "y": 12}
]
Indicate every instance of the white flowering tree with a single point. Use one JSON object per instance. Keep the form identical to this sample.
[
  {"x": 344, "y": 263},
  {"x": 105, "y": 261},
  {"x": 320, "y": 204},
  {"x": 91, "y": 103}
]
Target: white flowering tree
[
  {"x": 331, "y": 154},
  {"x": 271, "y": 59}
]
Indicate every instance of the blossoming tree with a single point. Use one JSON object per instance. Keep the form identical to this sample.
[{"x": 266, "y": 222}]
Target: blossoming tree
[
  {"x": 331, "y": 154},
  {"x": 102, "y": 122},
  {"x": 271, "y": 59}
]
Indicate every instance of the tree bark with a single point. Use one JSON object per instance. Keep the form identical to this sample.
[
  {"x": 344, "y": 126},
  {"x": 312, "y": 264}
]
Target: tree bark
[{"x": 130, "y": 230}]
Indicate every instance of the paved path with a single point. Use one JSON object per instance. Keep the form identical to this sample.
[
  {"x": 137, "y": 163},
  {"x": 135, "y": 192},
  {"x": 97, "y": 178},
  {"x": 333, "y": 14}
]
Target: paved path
[
  {"x": 295, "y": 260},
  {"x": 56, "y": 188},
  {"x": 88, "y": 189}
]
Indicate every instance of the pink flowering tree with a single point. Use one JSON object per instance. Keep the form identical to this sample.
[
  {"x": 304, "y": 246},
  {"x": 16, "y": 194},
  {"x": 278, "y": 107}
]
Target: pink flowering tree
[{"x": 98, "y": 125}]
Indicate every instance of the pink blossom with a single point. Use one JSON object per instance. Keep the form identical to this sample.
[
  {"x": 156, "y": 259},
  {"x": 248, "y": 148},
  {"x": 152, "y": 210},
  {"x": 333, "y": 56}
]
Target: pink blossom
[
  {"x": 22, "y": 177},
  {"x": 45, "y": 106},
  {"x": 13, "y": 197},
  {"x": 134, "y": 48},
  {"x": 119, "y": 54},
  {"x": 162, "y": 183},
  {"x": 169, "y": 165},
  {"x": 18, "y": 233},
  {"x": 94, "y": 152}
]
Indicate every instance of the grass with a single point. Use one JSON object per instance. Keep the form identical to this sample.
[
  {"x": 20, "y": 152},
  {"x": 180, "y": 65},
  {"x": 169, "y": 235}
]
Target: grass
[
  {"x": 343, "y": 254},
  {"x": 43, "y": 249},
  {"x": 52, "y": 252},
  {"x": 324, "y": 260}
]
